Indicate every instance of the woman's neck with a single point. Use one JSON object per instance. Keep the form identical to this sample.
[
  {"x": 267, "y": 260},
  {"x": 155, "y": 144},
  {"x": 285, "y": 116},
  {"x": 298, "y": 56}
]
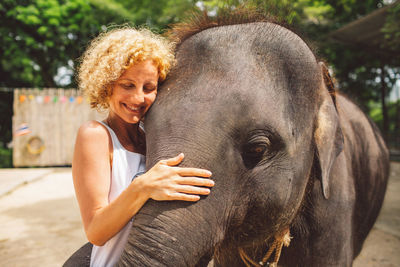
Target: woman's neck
[{"x": 129, "y": 135}]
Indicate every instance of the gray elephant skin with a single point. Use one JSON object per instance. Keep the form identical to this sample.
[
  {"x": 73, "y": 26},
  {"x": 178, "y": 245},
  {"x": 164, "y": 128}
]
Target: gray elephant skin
[{"x": 250, "y": 102}]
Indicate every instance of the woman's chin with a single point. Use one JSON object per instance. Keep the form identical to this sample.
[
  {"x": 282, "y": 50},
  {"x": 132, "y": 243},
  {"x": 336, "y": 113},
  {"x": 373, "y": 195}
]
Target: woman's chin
[{"x": 133, "y": 120}]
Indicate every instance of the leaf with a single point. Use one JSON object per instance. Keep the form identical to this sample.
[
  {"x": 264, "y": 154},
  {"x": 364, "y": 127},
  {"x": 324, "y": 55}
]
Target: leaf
[
  {"x": 54, "y": 22},
  {"x": 42, "y": 30},
  {"x": 49, "y": 43}
]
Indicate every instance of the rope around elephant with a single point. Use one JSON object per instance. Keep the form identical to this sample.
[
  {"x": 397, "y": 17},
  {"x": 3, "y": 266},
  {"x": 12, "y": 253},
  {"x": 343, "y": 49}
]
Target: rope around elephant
[{"x": 280, "y": 240}]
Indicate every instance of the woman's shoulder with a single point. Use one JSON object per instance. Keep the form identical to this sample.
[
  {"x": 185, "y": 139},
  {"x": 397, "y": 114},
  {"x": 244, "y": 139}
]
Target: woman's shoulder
[
  {"x": 93, "y": 131},
  {"x": 92, "y": 146}
]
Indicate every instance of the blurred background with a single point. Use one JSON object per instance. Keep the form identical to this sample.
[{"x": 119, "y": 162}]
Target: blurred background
[{"x": 40, "y": 108}]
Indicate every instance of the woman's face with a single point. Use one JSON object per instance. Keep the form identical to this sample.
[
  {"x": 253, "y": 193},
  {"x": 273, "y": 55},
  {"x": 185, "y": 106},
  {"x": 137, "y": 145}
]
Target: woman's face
[{"x": 134, "y": 92}]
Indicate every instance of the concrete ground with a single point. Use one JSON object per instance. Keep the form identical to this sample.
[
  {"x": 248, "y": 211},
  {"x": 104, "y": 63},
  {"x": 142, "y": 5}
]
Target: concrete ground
[{"x": 40, "y": 223}]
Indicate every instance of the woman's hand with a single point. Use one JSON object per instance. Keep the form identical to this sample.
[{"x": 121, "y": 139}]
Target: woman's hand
[{"x": 166, "y": 182}]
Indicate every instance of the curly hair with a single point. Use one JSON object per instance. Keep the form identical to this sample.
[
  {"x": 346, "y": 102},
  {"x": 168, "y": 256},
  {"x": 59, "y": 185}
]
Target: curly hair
[{"x": 112, "y": 52}]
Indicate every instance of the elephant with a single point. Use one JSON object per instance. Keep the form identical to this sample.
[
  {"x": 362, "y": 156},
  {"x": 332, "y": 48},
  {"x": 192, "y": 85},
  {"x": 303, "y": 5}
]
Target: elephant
[{"x": 292, "y": 158}]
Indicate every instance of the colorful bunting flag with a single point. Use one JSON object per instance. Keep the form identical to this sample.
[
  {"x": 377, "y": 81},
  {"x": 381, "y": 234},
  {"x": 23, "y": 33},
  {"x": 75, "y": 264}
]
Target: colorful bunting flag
[
  {"x": 22, "y": 98},
  {"x": 39, "y": 99},
  {"x": 46, "y": 99}
]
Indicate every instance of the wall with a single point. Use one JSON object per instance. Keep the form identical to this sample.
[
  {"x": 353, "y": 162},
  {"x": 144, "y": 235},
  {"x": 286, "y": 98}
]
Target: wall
[{"x": 52, "y": 118}]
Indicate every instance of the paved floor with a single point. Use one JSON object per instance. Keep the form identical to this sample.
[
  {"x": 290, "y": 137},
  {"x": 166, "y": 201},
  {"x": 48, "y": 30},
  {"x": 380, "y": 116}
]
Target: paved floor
[{"x": 40, "y": 223}]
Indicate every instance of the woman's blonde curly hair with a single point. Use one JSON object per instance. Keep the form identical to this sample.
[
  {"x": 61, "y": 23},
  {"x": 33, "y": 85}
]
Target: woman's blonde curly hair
[{"x": 112, "y": 52}]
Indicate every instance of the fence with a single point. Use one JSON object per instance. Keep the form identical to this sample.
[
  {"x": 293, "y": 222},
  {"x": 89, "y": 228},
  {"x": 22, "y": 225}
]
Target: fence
[{"x": 45, "y": 124}]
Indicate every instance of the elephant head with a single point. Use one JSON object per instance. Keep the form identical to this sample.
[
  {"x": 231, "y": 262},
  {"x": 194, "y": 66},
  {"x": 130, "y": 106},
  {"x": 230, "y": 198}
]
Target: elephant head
[{"x": 249, "y": 102}]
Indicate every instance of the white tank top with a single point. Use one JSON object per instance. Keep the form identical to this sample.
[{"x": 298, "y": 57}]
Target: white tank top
[{"x": 125, "y": 165}]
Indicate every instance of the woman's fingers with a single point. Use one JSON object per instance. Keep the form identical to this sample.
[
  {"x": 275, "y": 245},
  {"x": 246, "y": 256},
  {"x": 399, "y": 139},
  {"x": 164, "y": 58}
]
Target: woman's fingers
[
  {"x": 192, "y": 172},
  {"x": 185, "y": 171},
  {"x": 194, "y": 181},
  {"x": 184, "y": 197},
  {"x": 173, "y": 161},
  {"x": 194, "y": 190},
  {"x": 169, "y": 182}
]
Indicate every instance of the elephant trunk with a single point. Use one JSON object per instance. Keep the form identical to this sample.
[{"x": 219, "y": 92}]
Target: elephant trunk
[
  {"x": 178, "y": 233},
  {"x": 169, "y": 234}
]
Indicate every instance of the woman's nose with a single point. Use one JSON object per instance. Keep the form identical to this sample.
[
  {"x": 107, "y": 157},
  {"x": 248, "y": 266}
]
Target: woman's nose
[{"x": 139, "y": 95}]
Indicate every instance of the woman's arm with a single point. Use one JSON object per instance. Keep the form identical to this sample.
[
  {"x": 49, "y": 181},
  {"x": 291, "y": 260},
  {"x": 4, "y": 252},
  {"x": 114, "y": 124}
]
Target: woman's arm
[{"x": 92, "y": 174}]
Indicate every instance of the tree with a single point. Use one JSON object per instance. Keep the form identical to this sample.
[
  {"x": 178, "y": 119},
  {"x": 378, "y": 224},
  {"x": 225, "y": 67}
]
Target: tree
[
  {"x": 362, "y": 72},
  {"x": 391, "y": 28},
  {"x": 40, "y": 37},
  {"x": 158, "y": 16}
]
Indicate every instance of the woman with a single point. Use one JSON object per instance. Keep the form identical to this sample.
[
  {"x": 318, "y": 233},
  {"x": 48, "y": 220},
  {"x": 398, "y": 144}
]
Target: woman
[{"x": 120, "y": 71}]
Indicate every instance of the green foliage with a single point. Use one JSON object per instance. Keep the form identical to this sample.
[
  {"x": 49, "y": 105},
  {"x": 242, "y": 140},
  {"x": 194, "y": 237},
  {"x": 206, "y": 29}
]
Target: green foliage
[
  {"x": 391, "y": 28},
  {"x": 345, "y": 11},
  {"x": 394, "y": 125},
  {"x": 40, "y": 37},
  {"x": 357, "y": 69},
  {"x": 291, "y": 12},
  {"x": 157, "y": 15},
  {"x": 5, "y": 158}
]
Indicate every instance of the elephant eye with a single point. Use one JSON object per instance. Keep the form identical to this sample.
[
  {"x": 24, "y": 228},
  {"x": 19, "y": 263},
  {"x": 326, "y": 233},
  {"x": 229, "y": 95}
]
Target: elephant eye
[
  {"x": 253, "y": 153},
  {"x": 257, "y": 149}
]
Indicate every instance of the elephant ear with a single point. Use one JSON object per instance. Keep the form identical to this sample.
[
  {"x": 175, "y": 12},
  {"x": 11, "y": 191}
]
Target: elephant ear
[{"x": 328, "y": 134}]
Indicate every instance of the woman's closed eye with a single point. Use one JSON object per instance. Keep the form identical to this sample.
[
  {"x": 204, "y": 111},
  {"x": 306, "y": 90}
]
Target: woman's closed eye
[
  {"x": 128, "y": 85},
  {"x": 149, "y": 88}
]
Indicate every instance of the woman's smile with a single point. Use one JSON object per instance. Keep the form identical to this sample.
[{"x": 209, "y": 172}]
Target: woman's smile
[{"x": 134, "y": 109}]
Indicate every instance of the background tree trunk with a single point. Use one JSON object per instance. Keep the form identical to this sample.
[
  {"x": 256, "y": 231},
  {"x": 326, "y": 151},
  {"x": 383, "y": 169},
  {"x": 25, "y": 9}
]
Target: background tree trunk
[{"x": 385, "y": 126}]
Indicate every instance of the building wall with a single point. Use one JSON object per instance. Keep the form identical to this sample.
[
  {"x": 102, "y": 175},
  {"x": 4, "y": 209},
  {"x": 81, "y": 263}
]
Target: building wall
[{"x": 45, "y": 123}]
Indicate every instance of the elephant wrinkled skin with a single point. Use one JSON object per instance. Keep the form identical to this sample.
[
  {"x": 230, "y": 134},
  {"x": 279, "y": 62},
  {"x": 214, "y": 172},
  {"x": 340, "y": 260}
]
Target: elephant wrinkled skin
[{"x": 249, "y": 102}]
